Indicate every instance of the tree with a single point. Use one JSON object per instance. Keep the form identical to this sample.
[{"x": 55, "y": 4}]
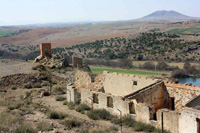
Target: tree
[{"x": 186, "y": 66}]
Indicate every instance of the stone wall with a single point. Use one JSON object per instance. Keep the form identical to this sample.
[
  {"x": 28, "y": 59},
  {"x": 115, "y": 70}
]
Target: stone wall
[
  {"x": 118, "y": 103},
  {"x": 188, "y": 121},
  {"x": 77, "y": 61},
  {"x": 143, "y": 113},
  {"x": 124, "y": 84},
  {"x": 170, "y": 120},
  {"x": 156, "y": 95},
  {"x": 83, "y": 80},
  {"x": 182, "y": 93}
]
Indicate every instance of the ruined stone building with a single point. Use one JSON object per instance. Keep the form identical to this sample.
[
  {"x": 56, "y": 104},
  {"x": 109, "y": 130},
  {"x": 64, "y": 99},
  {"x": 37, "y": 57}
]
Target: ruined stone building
[{"x": 160, "y": 103}]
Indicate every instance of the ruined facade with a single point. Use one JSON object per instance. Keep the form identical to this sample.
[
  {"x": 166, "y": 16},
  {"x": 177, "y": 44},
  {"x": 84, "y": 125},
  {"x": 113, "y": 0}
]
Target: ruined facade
[
  {"x": 159, "y": 103},
  {"x": 45, "y": 49},
  {"x": 77, "y": 61},
  {"x": 45, "y": 52}
]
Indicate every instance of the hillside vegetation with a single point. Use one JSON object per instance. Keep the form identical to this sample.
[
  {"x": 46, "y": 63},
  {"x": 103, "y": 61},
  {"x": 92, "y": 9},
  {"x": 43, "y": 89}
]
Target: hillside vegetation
[
  {"x": 193, "y": 30},
  {"x": 4, "y": 33},
  {"x": 147, "y": 46}
]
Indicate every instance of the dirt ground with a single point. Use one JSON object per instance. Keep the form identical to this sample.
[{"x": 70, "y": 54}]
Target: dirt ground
[{"x": 9, "y": 67}]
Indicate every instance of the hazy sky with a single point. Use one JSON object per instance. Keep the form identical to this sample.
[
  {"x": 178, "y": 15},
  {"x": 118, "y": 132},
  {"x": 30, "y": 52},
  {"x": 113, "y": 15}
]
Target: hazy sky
[{"x": 42, "y": 11}]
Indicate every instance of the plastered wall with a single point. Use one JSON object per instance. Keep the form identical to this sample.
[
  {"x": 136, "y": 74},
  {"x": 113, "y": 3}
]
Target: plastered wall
[
  {"x": 118, "y": 103},
  {"x": 122, "y": 84},
  {"x": 188, "y": 120},
  {"x": 170, "y": 120}
]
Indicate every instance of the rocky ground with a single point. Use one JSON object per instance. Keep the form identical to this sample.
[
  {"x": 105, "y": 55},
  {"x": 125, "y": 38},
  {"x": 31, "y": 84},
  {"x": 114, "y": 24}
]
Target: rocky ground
[{"x": 35, "y": 101}]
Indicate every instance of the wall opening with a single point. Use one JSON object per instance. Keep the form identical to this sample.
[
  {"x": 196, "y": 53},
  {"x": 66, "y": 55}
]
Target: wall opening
[
  {"x": 131, "y": 108},
  {"x": 134, "y": 82},
  {"x": 198, "y": 125},
  {"x": 172, "y": 101},
  {"x": 110, "y": 102},
  {"x": 95, "y": 98},
  {"x": 46, "y": 51},
  {"x": 155, "y": 116}
]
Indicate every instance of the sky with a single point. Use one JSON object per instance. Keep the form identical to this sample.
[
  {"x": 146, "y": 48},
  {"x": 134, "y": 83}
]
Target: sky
[{"x": 19, "y": 12}]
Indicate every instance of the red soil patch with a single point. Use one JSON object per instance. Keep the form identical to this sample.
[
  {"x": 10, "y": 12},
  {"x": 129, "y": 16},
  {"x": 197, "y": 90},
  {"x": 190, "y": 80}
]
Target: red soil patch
[{"x": 32, "y": 35}]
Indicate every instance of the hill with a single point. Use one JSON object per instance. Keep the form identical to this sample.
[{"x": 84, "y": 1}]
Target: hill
[
  {"x": 167, "y": 16},
  {"x": 146, "y": 46}
]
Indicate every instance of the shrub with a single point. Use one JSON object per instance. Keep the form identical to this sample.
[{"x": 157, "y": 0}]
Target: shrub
[
  {"x": 138, "y": 126},
  {"x": 44, "y": 78},
  {"x": 44, "y": 126},
  {"x": 55, "y": 115},
  {"x": 72, "y": 123},
  {"x": 3, "y": 90},
  {"x": 28, "y": 86},
  {"x": 82, "y": 107},
  {"x": 107, "y": 130},
  {"x": 25, "y": 129},
  {"x": 65, "y": 102},
  {"x": 14, "y": 106},
  {"x": 45, "y": 84},
  {"x": 37, "y": 85},
  {"x": 58, "y": 90},
  {"x": 14, "y": 88},
  {"x": 60, "y": 98},
  {"x": 100, "y": 114},
  {"x": 34, "y": 68},
  {"x": 71, "y": 105}
]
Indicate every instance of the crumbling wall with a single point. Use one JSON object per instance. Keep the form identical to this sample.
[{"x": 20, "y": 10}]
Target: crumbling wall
[
  {"x": 169, "y": 119},
  {"x": 142, "y": 113},
  {"x": 77, "y": 61},
  {"x": 188, "y": 122},
  {"x": 123, "y": 84},
  {"x": 83, "y": 80},
  {"x": 182, "y": 93},
  {"x": 118, "y": 103},
  {"x": 156, "y": 96},
  {"x": 45, "y": 49}
]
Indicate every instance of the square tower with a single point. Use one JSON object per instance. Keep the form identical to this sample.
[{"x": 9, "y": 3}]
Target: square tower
[{"x": 45, "y": 49}]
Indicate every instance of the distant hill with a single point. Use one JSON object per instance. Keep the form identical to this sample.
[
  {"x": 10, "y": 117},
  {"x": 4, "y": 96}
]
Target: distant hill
[{"x": 167, "y": 16}]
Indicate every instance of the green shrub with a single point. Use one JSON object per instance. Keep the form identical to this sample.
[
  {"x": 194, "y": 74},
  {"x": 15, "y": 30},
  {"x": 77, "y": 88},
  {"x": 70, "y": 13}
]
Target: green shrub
[
  {"x": 72, "y": 123},
  {"x": 3, "y": 90},
  {"x": 60, "y": 98},
  {"x": 101, "y": 114},
  {"x": 55, "y": 115},
  {"x": 14, "y": 106},
  {"x": 138, "y": 126},
  {"x": 82, "y": 107}
]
